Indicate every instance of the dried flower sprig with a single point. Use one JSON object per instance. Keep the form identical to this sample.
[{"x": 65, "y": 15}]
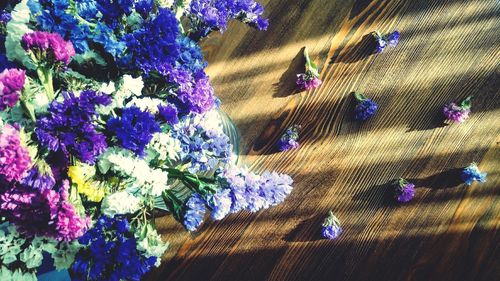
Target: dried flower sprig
[
  {"x": 331, "y": 227},
  {"x": 310, "y": 79}
]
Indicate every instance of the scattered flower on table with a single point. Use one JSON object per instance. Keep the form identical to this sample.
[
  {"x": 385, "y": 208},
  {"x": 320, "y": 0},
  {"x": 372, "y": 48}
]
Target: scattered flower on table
[
  {"x": 383, "y": 40},
  {"x": 289, "y": 139},
  {"x": 331, "y": 227},
  {"x": 365, "y": 107},
  {"x": 310, "y": 79},
  {"x": 404, "y": 191},
  {"x": 454, "y": 113},
  {"x": 471, "y": 173}
]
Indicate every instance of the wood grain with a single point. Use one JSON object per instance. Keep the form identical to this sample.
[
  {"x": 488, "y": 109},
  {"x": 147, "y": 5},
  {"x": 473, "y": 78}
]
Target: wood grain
[{"x": 449, "y": 49}]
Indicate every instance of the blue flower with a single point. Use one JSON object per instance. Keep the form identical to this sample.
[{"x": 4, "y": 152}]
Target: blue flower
[
  {"x": 365, "y": 108},
  {"x": 194, "y": 212},
  {"x": 134, "y": 129},
  {"x": 289, "y": 139},
  {"x": 392, "y": 39},
  {"x": 190, "y": 57},
  {"x": 331, "y": 228},
  {"x": 169, "y": 113},
  {"x": 110, "y": 253},
  {"x": 471, "y": 173},
  {"x": 143, "y": 7}
]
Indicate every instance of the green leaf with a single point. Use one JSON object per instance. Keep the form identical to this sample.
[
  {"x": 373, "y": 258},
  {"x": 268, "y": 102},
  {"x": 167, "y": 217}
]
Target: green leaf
[
  {"x": 359, "y": 96},
  {"x": 466, "y": 103}
]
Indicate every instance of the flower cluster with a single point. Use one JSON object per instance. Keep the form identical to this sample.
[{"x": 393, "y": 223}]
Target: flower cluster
[
  {"x": 289, "y": 139},
  {"x": 110, "y": 253},
  {"x": 454, "y": 113},
  {"x": 383, "y": 40},
  {"x": 106, "y": 116},
  {"x": 471, "y": 173},
  {"x": 11, "y": 84},
  {"x": 69, "y": 126},
  {"x": 48, "y": 47},
  {"x": 310, "y": 79},
  {"x": 365, "y": 108},
  {"x": 331, "y": 227},
  {"x": 14, "y": 157},
  {"x": 404, "y": 191}
]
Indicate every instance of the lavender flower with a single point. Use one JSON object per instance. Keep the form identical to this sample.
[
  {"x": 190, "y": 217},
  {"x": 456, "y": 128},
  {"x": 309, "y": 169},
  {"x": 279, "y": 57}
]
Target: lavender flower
[
  {"x": 331, "y": 227},
  {"x": 454, "y": 113},
  {"x": 11, "y": 84},
  {"x": 365, "y": 108},
  {"x": 134, "y": 129},
  {"x": 310, "y": 79},
  {"x": 14, "y": 157},
  {"x": 252, "y": 192},
  {"x": 383, "y": 40},
  {"x": 471, "y": 173},
  {"x": 220, "y": 203},
  {"x": 194, "y": 212},
  {"x": 50, "y": 47},
  {"x": 404, "y": 191},
  {"x": 69, "y": 126},
  {"x": 289, "y": 139}
]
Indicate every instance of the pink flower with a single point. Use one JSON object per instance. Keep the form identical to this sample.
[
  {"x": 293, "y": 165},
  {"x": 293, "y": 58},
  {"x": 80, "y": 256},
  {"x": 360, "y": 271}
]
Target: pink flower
[
  {"x": 11, "y": 84},
  {"x": 52, "y": 46},
  {"x": 43, "y": 212},
  {"x": 14, "y": 158}
]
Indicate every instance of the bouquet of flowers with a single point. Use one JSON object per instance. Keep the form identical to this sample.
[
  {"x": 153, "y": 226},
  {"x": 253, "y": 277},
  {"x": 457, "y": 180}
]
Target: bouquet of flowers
[{"x": 107, "y": 116}]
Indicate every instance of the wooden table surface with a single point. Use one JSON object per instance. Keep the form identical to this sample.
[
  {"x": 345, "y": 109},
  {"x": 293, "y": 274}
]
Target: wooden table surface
[{"x": 449, "y": 49}]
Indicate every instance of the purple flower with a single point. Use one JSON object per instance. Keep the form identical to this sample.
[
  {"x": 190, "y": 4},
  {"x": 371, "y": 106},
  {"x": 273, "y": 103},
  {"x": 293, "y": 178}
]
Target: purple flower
[
  {"x": 220, "y": 203},
  {"x": 307, "y": 81},
  {"x": 14, "y": 157},
  {"x": 275, "y": 187},
  {"x": 331, "y": 228},
  {"x": 169, "y": 113},
  {"x": 404, "y": 191},
  {"x": 310, "y": 79},
  {"x": 5, "y": 17},
  {"x": 42, "y": 212},
  {"x": 365, "y": 108},
  {"x": 69, "y": 126},
  {"x": 201, "y": 98},
  {"x": 471, "y": 173},
  {"x": 381, "y": 41},
  {"x": 454, "y": 113},
  {"x": 49, "y": 47},
  {"x": 134, "y": 129},
  {"x": 289, "y": 139},
  {"x": 39, "y": 178},
  {"x": 11, "y": 84},
  {"x": 194, "y": 212}
]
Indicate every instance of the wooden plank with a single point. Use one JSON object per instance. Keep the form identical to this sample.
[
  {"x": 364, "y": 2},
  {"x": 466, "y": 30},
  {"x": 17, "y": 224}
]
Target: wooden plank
[{"x": 449, "y": 50}]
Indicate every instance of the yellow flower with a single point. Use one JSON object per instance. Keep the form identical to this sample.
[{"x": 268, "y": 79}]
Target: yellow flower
[{"x": 80, "y": 176}]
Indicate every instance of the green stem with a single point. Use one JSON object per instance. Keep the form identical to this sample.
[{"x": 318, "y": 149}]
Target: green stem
[
  {"x": 310, "y": 65},
  {"x": 45, "y": 76}
]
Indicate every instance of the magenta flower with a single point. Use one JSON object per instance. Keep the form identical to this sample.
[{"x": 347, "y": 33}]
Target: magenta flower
[
  {"x": 11, "y": 84},
  {"x": 454, "y": 113},
  {"x": 310, "y": 79},
  {"x": 43, "y": 212},
  {"x": 49, "y": 47},
  {"x": 14, "y": 158}
]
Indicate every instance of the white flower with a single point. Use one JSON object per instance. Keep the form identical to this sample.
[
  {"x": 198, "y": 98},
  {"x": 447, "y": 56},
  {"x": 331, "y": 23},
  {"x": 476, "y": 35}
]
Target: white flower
[
  {"x": 164, "y": 146},
  {"x": 146, "y": 104},
  {"x": 151, "y": 245},
  {"x": 16, "y": 28},
  {"x": 108, "y": 88},
  {"x": 132, "y": 85},
  {"x": 120, "y": 203}
]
